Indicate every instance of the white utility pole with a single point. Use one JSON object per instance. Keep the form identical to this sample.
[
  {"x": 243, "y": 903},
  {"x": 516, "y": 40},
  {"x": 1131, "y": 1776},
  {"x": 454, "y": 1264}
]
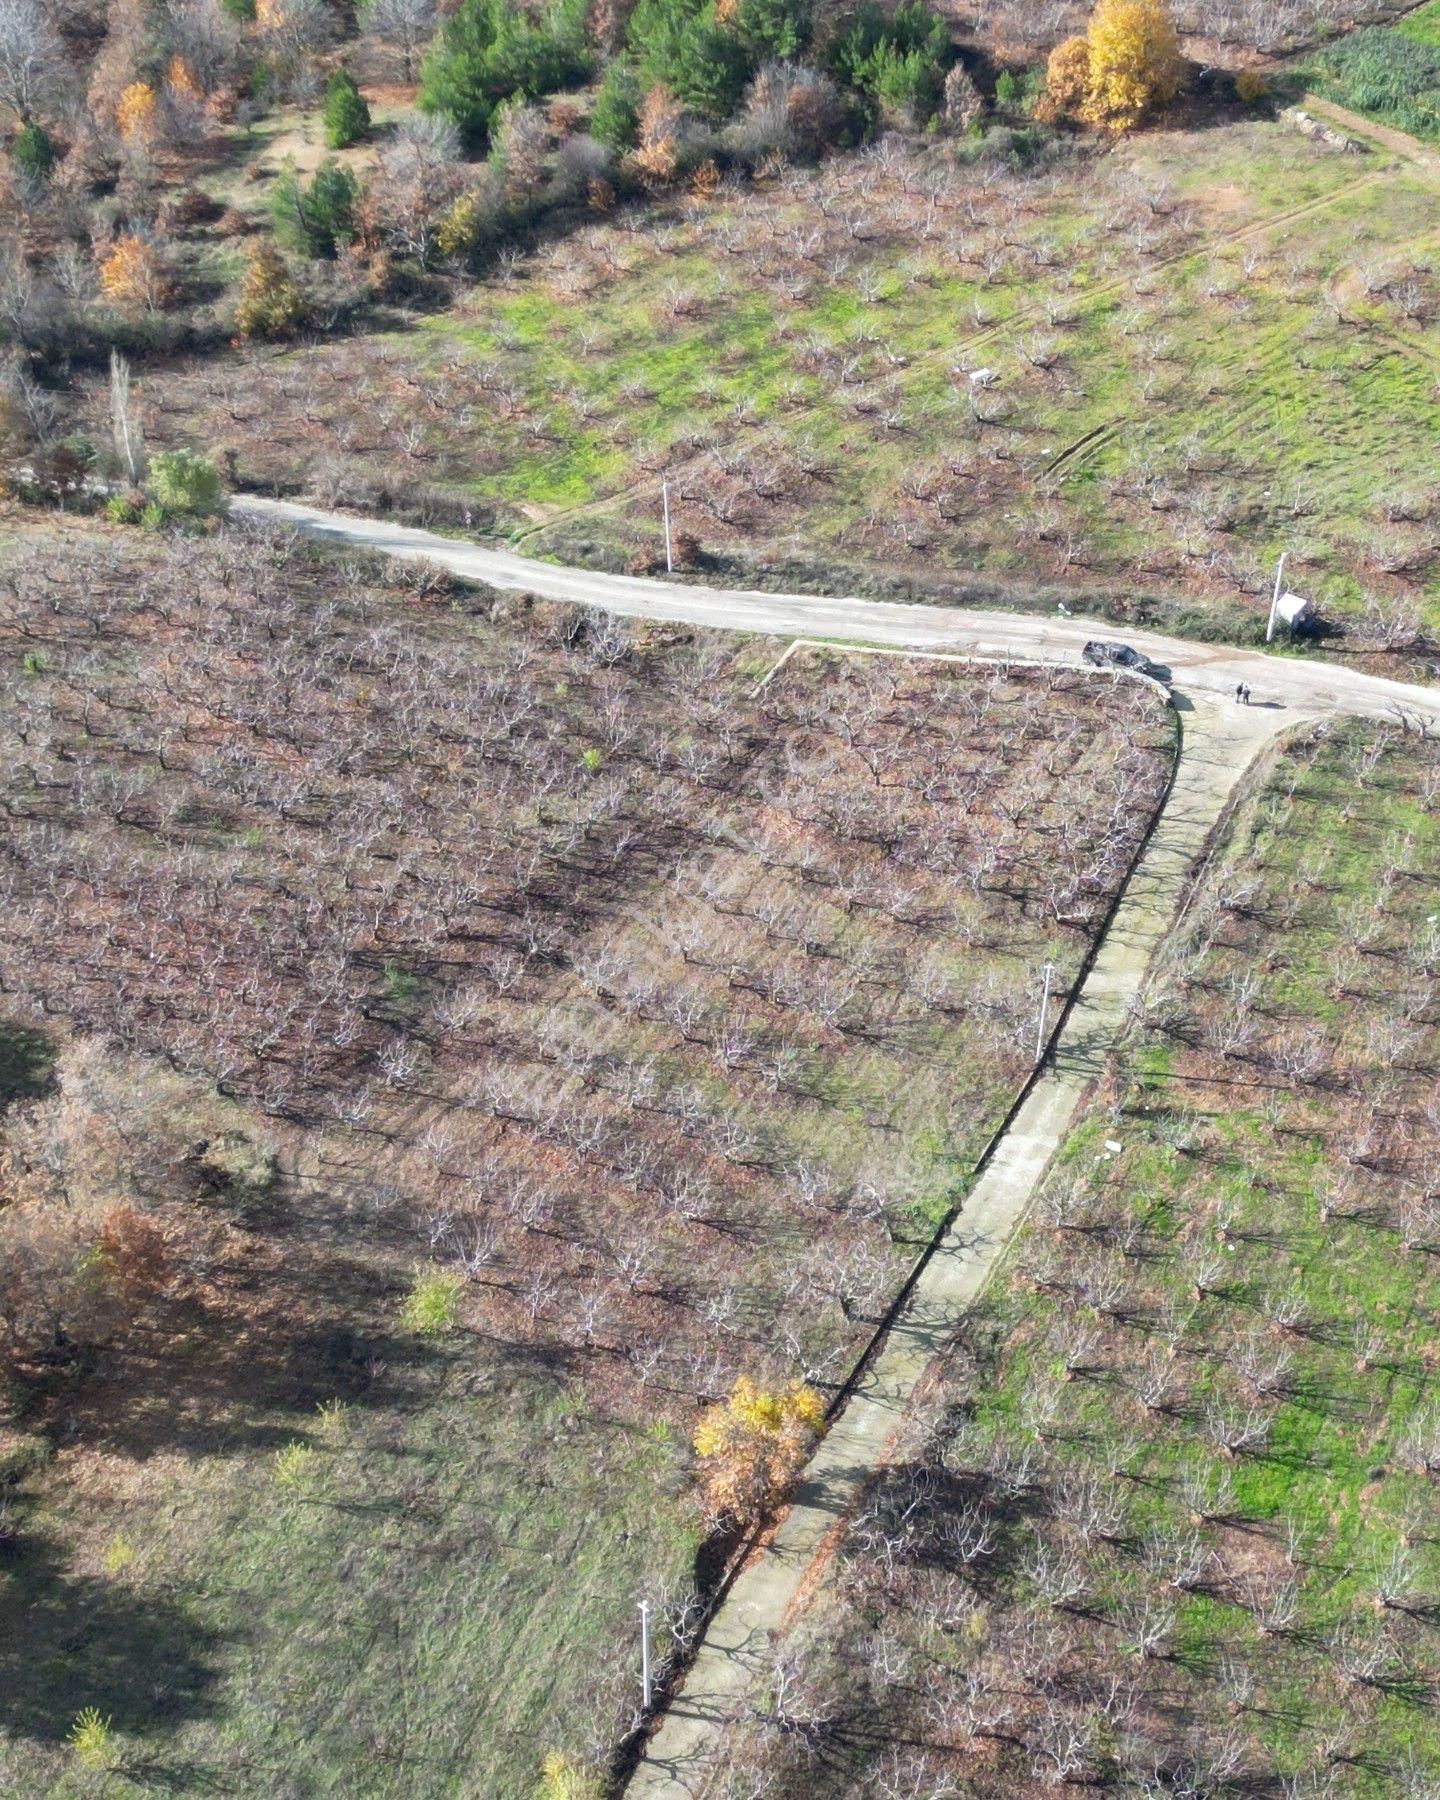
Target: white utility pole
[
  {"x": 646, "y": 1683},
  {"x": 1044, "y": 1009},
  {"x": 1279, "y": 582},
  {"x": 665, "y": 501}
]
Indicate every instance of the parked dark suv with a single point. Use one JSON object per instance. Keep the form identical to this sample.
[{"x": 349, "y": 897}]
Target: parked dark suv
[{"x": 1121, "y": 656}]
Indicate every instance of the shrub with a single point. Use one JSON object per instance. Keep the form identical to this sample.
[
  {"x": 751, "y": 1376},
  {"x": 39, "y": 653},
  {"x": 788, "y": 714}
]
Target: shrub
[
  {"x": 120, "y": 511},
  {"x": 345, "y": 113},
  {"x": 754, "y": 1445},
  {"x": 118, "y": 1555},
  {"x": 32, "y": 150},
  {"x": 185, "y": 485},
  {"x": 562, "y": 1778},
  {"x": 294, "y": 1465},
  {"x": 432, "y": 1303},
  {"x": 240, "y": 1167},
  {"x": 92, "y": 1739},
  {"x": 464, "y": 225},
  {"x": 615, "y": 119},
  {"x": 271, "y": 303},
  {"x": 1135, "y": 62},
  {"x": 1251, "y": 87}
]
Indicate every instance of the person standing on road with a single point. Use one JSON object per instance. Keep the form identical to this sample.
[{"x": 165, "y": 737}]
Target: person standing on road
[{"x": 1239, "y": 693}]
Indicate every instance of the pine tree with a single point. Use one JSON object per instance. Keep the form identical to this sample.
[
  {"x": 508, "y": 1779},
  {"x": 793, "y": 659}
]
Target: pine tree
[{"x": 346, "y": 114}]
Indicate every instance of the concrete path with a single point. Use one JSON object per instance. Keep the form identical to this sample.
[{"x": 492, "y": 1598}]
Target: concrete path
[{"x": 1220, "y": 742}]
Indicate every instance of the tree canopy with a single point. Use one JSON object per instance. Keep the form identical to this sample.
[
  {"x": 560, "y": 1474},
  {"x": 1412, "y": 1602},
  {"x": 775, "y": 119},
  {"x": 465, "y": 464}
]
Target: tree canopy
[{"x": 488, "y": 50}]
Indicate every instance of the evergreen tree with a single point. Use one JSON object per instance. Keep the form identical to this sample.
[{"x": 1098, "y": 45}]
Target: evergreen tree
[
  {"x": 33, "y": 151},
  {"x": 488, "y": 51},
  {"x": 346, "y": 114},
  {"x": 684, "y": 47},
  {"x": 615, "y": 116},
  {"x": 316, "y": 219},
  {"x": 773, "y": 30}
]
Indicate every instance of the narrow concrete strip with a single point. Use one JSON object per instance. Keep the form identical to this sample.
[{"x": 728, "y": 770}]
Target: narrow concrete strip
[{"x": 1219, "y": 744}]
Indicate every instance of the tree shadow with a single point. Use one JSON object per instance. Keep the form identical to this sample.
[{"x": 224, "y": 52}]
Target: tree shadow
[
  {"x": 244, "y": 1363},
  {"x": 26, "y": 1058},
  {"x": 68, "y": 1641}
]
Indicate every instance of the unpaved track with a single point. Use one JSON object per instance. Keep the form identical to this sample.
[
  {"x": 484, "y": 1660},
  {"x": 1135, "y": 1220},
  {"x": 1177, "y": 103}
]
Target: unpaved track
[
  {"x": 1424, "y": 156},
  {"x": 1311, "y": 687},
  {"x": 1220, "y": 741}
]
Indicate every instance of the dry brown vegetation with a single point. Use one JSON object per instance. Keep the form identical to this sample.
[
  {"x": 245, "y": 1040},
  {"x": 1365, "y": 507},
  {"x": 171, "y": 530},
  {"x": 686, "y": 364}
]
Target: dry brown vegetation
[
  {"x": 645, "y": 1006},
  {"x": 659, "y": 1011}
]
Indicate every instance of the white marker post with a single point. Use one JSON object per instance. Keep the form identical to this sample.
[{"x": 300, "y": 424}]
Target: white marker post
[
  {"x": 1044, "y": 1010},
  {"x": 646, "y": 1683},
  {"x": 665, "y": 502},
  {"x": 1275, "y": 602}
]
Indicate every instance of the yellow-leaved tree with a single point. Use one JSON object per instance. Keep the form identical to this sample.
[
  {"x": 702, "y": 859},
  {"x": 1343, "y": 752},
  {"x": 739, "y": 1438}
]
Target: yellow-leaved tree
[
  {"x": 133, "y": 275},
  {"x": 135, "y": 112},
  {"x": 754, "y": 1444},
  {"x": 1134, "y": 62},
  {"x": 1067, "y": 79}
]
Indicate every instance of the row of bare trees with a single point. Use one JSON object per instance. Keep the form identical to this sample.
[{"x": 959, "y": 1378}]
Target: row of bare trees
[{"x": 625, "y": 1007}]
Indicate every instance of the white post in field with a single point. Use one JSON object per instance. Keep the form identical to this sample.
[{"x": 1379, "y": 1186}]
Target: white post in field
[
  {"x": 1044, "y": 1010},
  {"x": 665, "y": 501},
  {"x": 646, "y": 1682},
  {"x": 1279, "y": 581}
]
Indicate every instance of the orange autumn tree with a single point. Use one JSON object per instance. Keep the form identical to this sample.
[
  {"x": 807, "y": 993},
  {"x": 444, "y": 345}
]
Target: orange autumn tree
[
  {"x": 659, "y": 134},
  {"x": 133, "y": 275},
  {"x": 753, "y": 1445},
  {"x": 181, "y": 85},
  {"x": 1067, "y": 79}
]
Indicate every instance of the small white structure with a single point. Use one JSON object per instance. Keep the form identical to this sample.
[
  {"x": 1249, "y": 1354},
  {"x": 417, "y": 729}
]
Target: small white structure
[
  {"x": 984, "y": 378},
  {"x": 1294, "y": 609}
]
